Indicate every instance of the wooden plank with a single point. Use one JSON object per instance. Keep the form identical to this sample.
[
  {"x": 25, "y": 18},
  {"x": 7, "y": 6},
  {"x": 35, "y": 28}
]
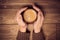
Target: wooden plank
[
  {"x": 58, "y": 31},
  {"x": 7, "y": 16},
  {"x": 47, "y": 10},
  {"x": 8, "y": 32},
  {"x": 51, "y": 37},
  {"x": 18, "y": 5},
  {"x": 11, "y": 28},
  {"x": 27, "y": 1},
  {"x": 42, "y": 2},
  {"x": 48, "y": 29},
  {"x": 7, "y": 39},
  {"x": 58, "y": 27}
]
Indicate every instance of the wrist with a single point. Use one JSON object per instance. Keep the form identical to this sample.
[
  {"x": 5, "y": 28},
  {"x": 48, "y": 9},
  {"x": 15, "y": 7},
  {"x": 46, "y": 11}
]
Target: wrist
[
  {"x": 36, "y": 31},
  {"x": 23, "y": 29}
]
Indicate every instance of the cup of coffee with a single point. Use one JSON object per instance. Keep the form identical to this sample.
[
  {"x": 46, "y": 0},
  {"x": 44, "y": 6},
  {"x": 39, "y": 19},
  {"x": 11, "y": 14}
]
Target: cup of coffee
[{"x": 30, "y": 15}]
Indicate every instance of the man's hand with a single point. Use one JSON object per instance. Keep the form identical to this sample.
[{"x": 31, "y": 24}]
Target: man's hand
[{"x": 20, "y": 21}]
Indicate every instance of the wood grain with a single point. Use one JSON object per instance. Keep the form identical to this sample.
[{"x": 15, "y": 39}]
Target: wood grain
[
  {"x": 58, "y": 31},
  {"x": 27, "y": 1},
  {"x": 7, "y": 16},
  {"x": 8, "y": 32},
  {"x": 8, "y": 24},
  {"x": 18, "y": 5},
  {"x": 49, "y": 28},
  {"x": 10, "y": 8},
  {"x": 11, "y": 31}
]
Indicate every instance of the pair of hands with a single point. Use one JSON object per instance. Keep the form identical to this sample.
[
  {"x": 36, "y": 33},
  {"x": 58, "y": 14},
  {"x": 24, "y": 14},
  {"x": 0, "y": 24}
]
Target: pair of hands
[{"x": 37, "y": 24}]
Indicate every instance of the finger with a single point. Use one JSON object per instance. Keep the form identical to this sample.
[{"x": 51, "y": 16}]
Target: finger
[
  {"x": 36, "y": 8},
  {"x": 19, "y": 17},
  {"x": 21, "y": 10},
  {"x": 41, "y": 14},
  {"x": 39, "y": 18},
  {"x": 38, "y": 24}
]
